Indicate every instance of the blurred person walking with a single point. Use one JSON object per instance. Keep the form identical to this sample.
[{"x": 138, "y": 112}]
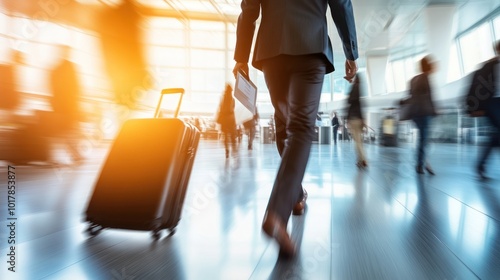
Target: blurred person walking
[
  {"x": 294, "y": 52},
  {"x": 65, "y": 102},
  {"x": 356, "y": 121},
  {"x": 483, "y": 99},
  {"x": 227, "y": 121},
  {"x": 123, "y": 52},
  {"x": 9, "y": 94},
  {"x": 22, "y": 142},
  {"x": 424, "y": 110},
  {"x": 335, "y": 127},
  {"x": 250, "y": 128}
]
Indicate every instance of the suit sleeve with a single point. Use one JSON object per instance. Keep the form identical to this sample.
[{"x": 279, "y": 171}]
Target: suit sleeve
[
  {"x": 343, "y": 17},
  {"x": 250, "y": 11}
]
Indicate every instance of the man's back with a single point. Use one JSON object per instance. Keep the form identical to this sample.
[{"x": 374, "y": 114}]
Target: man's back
[
  {"x": 296, "y": 27},
  {"x": 482, "y": 88}
]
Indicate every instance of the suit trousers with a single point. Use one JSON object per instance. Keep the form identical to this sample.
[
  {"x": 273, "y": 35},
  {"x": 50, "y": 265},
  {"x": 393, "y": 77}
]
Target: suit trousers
[
  {"x": 493, "y": 115},
  {"x": 295, "y": 84}
]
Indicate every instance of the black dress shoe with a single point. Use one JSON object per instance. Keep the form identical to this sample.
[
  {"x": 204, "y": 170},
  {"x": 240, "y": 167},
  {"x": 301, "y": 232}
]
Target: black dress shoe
[
  {"x": 300, "y": 206},
  {"x": 275, "y": 228}
]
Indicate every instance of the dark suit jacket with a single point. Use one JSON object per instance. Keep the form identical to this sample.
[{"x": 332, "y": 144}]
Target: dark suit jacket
[
  {"x": 421, "y": 96},
  {"x": 482, "y": 89},
  {"x": 297, "y": 27}
]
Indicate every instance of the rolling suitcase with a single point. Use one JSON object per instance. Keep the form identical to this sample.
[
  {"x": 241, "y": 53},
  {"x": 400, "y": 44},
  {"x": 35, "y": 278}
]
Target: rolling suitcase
[{"x": 144, "y": 179}]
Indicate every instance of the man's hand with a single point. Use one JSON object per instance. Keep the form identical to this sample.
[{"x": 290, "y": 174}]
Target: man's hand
[
  {"x": 351, "y": 67},
  {"x": 240, "y": 66}
]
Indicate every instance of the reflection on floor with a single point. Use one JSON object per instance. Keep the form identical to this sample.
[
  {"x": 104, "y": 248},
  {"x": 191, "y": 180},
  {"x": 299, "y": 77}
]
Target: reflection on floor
[{"x": 386, "y": 222}]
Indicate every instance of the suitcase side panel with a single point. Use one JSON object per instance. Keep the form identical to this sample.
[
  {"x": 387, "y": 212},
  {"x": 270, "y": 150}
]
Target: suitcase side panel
[{"x": 175, "y": 201}]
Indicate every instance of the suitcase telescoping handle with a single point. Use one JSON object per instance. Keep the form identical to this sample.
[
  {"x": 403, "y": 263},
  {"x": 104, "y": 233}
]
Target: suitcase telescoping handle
[{"x": 170, "y": 91}]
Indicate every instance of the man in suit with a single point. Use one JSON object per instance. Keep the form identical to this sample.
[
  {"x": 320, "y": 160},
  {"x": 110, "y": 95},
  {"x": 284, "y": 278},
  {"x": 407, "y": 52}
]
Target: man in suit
[
  {"x": 294, "y": 52},
  {"x": 483, "y": 99}
]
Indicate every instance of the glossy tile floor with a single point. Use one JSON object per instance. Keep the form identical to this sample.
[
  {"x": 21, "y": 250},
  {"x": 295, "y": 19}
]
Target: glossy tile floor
[{"x": 386, "y": 222}]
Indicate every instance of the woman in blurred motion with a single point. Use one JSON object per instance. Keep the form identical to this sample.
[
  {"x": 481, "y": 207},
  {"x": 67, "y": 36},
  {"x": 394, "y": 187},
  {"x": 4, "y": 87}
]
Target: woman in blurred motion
[
  {"x": 421, "y": 96},
  {"x": 227, "y": 120},
  {"x": 356, "y": 121}
]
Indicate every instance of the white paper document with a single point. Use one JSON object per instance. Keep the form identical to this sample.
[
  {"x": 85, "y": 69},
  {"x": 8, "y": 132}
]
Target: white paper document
[{"x": 245, "y": 94}]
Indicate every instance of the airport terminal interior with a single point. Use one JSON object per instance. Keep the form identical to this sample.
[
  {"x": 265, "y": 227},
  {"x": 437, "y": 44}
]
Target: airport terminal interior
[{"x": 385, "y": 221}]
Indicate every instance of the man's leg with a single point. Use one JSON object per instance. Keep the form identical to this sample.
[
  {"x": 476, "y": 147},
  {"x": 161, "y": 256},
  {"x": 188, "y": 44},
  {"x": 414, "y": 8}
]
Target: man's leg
[
  {"x": 251, "y": 137},
  {"x": 295, "y": 84},
  {"x": 485, "y": 154},
  {"x": 493, "y": 114},
  {"x": 422, "y": 125}
]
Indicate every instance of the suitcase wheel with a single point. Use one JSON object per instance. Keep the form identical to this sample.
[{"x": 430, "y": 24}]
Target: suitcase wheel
[
  {"x": 94, "y": 229},
  {"x": 155, "y": 234}
]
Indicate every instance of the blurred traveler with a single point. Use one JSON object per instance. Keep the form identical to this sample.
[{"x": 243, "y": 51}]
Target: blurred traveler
[
  {"x": 227, "y": 121},
  {"x": 9, "y": 95},
  {"x": 294, "y": 52},
  {"x": 335, "y": 127},
  {"x": 65, "y": 102},
  {"x": 421, "y": 96},
  {"x": 123, "y": 52},
  {"x": 357, "y": 121},
  {"x": 483, "y": 99}
]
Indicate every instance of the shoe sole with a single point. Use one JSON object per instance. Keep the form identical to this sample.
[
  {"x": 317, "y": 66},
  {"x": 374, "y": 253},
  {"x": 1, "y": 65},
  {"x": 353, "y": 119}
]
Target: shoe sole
[{"x": 278, "y": 233}]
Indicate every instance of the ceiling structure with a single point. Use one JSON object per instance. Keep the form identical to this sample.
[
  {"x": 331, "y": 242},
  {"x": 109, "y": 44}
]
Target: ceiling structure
[{"x": 383, "y": 26}]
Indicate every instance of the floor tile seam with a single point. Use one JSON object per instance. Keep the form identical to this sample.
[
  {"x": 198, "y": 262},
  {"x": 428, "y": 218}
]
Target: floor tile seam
[
  {"x": 445, "y": 194},
  {"x": 81, "y": 260},
  {"x": 497, "y": 220},
  {"x": 45, "y": 235},
  {"x": 440, "y": 241},
  {"x": 254, "y": 271}
]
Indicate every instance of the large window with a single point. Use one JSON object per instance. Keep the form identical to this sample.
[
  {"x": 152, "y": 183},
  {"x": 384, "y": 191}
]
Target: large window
[
  {"x": 496, "y": 27},
  {"x": 195, "y": 55},
  {"x": 476, "y": 47},
  {"x": 466, "y": 53},
  {"x": 389, "y": 79},
  {"x": 454, "y": 72},
  {"x": 192, "y": 55}
]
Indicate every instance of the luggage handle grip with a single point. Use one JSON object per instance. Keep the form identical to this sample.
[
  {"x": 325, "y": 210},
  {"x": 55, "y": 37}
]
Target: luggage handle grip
[{"x": 170, "y": 91}]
